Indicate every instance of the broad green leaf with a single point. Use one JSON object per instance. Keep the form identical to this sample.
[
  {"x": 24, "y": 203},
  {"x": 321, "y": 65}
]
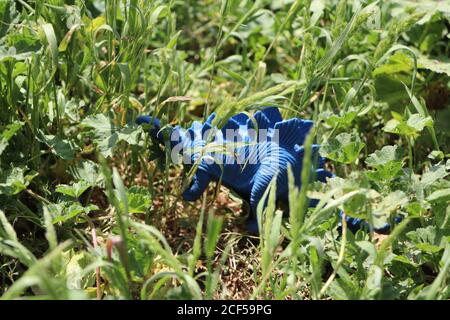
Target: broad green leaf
[
  {"x": 429, "y": 248},
  {"x": 390, "y": 89},
  {"x": 344, "y": 148},
  {"x": 23, "y": 44},
  {"x": 63, "y": 148},
  {"x": 65, "y": 211},
  {"x": 103, "y": 126},
  {"x": 381, "y": 211},
  {"x": 428, "y": 239},
  {"x": 88, "y": 171},
  {"x": 386, "y": 162},
  {"x": 107, "y": 134},
  {"x": 439, "y": 196},
  {"x": 436, "y": 155},
  {"x": 405, "y": 260},
  {"x": 138, "y": 198},
  {"x": 415, "y": 209},
  {"x": 433, "y": 174},
  {"x": 382, "y": 157},
  {"x": 75, "y": 190},
  {"x": 398, "y": 62},
  {"x": 14, "y": 180},
  {"x": 7, "y": 133},
  {"x": 385, "y": 172},
  {"x": 359, "y": 206},
  {"x": 438, "y": 65},
  {"x": 411, "y": 127},
  {"x": 419, "y": 122},
  {"x": 343, "y": 120}
]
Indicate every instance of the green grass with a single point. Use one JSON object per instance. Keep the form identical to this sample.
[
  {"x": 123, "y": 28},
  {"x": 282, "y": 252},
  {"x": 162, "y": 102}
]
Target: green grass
[{"x": 90, "y": 206}]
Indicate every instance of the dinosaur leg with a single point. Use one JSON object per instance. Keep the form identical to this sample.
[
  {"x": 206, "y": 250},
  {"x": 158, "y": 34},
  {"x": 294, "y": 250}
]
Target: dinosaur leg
[
  {"x": 260, "y": 185},
  {"x": 198, "y": 185}
]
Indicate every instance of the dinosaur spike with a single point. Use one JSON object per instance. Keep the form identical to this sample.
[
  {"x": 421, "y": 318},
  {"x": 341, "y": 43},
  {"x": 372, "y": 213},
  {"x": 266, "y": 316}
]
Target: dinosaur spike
[
  {"x": 197, "y": 126},
  {"x": 206, "y": 126},
  {"x": 211, "y": 118},
  {"x": 273, "y": 114},
  {"x": 266, "y": 118},
  {"x": 230, "y": 125},
  {"x": 240, "y": 118},
  {"x": 261, "y": 120},
  {"x": 292, "y": 132}
]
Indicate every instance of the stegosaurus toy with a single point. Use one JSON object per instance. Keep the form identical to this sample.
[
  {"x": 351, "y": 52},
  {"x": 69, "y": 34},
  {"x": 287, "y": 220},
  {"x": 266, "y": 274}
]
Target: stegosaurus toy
[{"x": 262, "y": 147}]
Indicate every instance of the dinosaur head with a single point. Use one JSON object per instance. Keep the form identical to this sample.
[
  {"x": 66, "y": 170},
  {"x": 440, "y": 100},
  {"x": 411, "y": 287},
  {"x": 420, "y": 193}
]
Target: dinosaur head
[{"x": 155, "y": 130}]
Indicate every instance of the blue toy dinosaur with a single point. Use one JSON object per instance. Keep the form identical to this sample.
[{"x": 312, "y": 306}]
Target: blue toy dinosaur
[{"x": 262, "y": 147}]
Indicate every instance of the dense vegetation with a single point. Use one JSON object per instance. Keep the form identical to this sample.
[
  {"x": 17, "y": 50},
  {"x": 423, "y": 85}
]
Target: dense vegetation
[{"x": 90, "y": 205}]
